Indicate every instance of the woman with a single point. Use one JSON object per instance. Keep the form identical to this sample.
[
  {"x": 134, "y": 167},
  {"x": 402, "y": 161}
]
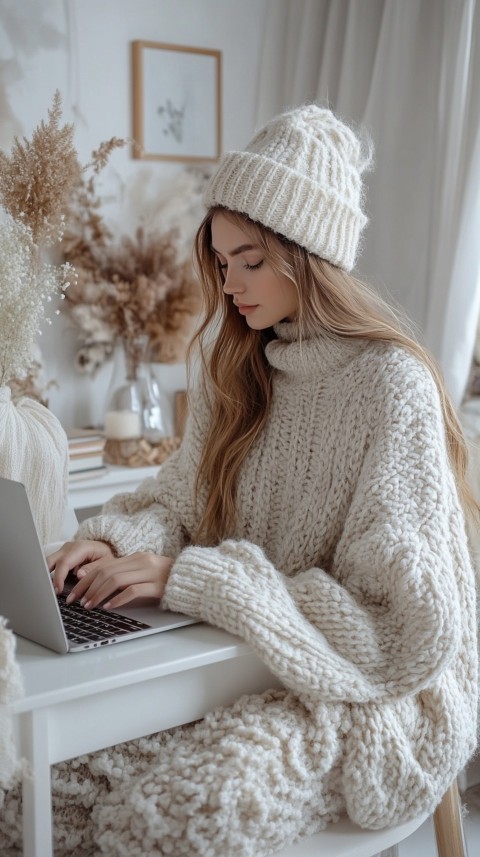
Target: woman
[{"x": 315, "y": 509}]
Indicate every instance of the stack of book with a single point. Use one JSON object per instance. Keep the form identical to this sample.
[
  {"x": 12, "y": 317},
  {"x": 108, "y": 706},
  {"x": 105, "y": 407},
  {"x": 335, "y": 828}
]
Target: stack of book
[{"x": 85, "y": 453}]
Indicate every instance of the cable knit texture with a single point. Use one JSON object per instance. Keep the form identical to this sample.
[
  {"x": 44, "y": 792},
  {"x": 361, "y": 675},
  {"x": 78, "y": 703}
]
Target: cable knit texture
[
  {"x": 301, "y": 175},
  {"x": 34, "y": 450},
  {"x": 11, "y": 689},
  {"x": 349, "y": 575}
]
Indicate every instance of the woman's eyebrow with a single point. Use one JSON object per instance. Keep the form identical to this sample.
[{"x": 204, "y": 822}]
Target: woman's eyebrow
[{"x": 241, "y": 249}]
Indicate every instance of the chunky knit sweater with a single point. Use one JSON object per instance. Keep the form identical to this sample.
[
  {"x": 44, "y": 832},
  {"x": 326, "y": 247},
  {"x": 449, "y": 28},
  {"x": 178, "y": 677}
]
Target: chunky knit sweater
[{"x": 349, "y": 575}]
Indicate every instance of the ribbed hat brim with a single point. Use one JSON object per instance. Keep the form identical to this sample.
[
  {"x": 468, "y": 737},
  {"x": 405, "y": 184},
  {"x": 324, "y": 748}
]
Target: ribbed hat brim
[{"x": 298, "y": 208}]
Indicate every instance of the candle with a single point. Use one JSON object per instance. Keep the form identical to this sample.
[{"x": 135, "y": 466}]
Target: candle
[{"x": 122, "y": 425}]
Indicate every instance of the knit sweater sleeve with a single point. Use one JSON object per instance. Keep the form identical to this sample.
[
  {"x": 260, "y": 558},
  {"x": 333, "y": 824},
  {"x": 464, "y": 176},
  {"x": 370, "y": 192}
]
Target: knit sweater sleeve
[
  {"x": 160, "y": 515},
  {"x": 384, "y": 621}
]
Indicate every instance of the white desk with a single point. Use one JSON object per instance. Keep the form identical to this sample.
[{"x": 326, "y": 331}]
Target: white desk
[{"x": 83, "y": 702}]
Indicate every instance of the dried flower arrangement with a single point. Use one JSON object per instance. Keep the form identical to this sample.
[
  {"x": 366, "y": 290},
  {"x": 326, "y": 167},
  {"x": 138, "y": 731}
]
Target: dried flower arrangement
[
  {"x": 36, "y": 183},
  {"x": 135, "y": 285}
]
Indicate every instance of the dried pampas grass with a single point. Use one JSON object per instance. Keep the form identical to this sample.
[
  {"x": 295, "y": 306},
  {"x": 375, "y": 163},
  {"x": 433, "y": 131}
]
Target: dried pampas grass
[
  {"x": 36, "y": 182},
  {"x": 125, "y": 287}
]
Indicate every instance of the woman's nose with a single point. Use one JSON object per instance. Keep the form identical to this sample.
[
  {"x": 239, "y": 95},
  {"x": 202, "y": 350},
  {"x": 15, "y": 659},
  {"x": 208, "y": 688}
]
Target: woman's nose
[{"x": 231, "y": 284}]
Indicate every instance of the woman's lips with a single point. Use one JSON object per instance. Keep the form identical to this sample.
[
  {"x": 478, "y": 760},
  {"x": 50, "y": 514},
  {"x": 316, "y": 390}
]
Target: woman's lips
[{"x": 245, "y": 309}]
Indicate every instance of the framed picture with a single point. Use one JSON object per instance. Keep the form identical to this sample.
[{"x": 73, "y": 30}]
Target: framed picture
[{"x": 176, "y": 102}]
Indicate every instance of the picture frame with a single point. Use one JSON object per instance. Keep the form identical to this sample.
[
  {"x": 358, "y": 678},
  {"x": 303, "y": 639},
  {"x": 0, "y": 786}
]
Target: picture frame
[{"x": 176, "y": 95}]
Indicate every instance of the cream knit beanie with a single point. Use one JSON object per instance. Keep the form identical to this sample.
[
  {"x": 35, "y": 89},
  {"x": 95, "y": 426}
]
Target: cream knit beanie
[{"x": 301, "y": 175}]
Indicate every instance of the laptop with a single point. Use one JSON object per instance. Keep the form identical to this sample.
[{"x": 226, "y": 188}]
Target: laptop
[{"x": 29, "y": 602}]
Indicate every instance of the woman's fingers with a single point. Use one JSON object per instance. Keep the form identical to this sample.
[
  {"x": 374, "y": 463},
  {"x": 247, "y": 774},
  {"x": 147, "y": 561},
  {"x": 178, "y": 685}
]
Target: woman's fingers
[
  {"x": 120, "y": 580},
  {"x": 95, "y": 588},
  {"x": 125, "y": 588},
  {"x": 72, "y": 555},
  {"x": 131, "y": 593}
]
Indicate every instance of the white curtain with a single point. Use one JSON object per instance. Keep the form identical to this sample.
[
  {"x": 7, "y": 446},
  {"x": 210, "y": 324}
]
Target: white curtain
[{"x": 408, "y": 70}]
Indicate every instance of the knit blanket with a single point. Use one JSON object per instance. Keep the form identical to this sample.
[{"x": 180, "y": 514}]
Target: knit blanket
[
  {"x": 241, "y": 781},
  {"x": 10, "y": 689}
]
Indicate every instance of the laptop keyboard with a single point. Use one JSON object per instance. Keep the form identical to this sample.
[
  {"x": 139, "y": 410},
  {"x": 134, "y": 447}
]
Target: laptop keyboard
[{"x": 85, "y": 626}]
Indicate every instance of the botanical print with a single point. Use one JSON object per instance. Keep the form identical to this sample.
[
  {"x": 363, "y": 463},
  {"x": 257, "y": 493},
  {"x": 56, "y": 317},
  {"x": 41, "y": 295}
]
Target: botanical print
[{"x": 176, "y": 102}]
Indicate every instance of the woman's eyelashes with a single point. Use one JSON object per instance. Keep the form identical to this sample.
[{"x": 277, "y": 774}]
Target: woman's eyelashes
[{"x": 222, "y": 266}]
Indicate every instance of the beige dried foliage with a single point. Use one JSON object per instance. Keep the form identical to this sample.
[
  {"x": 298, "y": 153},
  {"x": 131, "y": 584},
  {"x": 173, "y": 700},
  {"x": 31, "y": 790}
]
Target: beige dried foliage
[
  {"x": 135, "y": 285},
  {"x": 36, "y": 182},
  {"x": 38, "y": 177},
  {"x": 32, "y": 385}
]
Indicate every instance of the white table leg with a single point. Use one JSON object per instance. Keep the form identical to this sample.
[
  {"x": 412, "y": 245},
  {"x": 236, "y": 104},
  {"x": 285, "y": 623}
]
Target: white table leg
[{"x": 37, "y": 801}]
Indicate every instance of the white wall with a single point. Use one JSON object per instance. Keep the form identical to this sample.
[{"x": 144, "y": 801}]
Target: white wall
[{"x": 82, "y": 47}]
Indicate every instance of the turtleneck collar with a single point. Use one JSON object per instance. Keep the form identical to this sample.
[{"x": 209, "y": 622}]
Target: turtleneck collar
[{"x": 306, "y": 357}]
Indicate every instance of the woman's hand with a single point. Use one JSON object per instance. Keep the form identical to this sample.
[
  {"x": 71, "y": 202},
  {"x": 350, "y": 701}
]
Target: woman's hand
[
  {"x": 72, "y": 556},
  {"x": 117, "y": 581}
]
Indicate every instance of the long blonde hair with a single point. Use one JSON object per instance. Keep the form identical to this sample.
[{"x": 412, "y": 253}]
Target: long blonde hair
[{"x": 329, "y": 299}]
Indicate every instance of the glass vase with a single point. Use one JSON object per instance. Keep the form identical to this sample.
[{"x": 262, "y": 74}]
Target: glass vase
[
  {"x": 137, "y": 407},
  {"x": 157, "y": 413}
]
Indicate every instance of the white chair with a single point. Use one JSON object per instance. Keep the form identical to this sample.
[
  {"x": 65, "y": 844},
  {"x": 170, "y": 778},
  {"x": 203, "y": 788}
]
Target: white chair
[{"x": 346, "y": 839}]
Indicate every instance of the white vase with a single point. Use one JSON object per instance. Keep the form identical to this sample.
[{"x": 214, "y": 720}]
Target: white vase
[{"x": 34, "y": 451}]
